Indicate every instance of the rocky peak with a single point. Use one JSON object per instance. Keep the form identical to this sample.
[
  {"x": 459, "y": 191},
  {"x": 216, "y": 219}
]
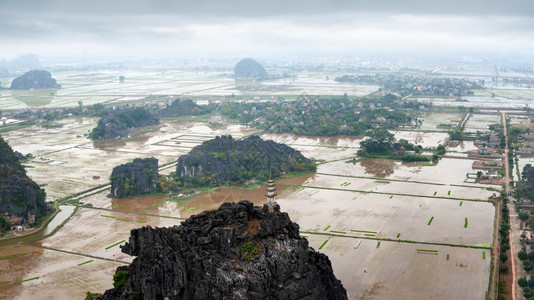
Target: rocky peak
[{"x": 238, "y": 251}]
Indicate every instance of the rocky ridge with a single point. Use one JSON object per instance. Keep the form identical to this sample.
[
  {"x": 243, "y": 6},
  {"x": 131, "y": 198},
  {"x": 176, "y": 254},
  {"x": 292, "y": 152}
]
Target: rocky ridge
[
  {"x": 135, "y": 178},
  {"x": 36, "y": 79},
  {"x": 238, "y": 251},
  {"x": 226, "y": 160},
  {"x": 22, "y": 201}
]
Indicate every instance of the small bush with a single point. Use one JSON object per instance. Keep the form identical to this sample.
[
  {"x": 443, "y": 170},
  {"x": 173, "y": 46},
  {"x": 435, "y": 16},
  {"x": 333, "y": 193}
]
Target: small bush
[
  {"x": 120, "y": 279},
  {"x": 522, "y": 255},
  {"x": 522, "y": 282},
  {"x": 250, "y": 249},
  {"x": 504, "y": 257},
  {"x": 503, "y": 269}
]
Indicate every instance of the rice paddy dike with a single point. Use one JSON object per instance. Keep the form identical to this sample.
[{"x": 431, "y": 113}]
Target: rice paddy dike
[{"x": 391, "y": 229}]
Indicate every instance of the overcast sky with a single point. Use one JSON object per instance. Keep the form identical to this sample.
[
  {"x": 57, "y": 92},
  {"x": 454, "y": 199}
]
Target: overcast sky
[{"x": 211, "y": 27}]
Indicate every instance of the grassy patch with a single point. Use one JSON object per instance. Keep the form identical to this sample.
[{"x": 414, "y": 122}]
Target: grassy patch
[
  {"x": 465, "y": 224},
  {"x": 250, "y": 249},
  {"x": 430, "y": 221},
  {"x": 85, "y": 262},
  {"x": 369, "y": 234},
  {"x": 107, "y": 216},
  {"x": 482, "y": 245},
  {"x": 322, "y": 245},
  {"x": 28, "y": 279},
  {"x": 113, "y": 245},
  {"x": 378, "y": 244},
  {"x": 435, "y": 193},
  {"x": 398, "y": 235},
  {"x": 382, "y": 181},
  {"x": 326, "y": 228},
  {"x": 363, "y": 231},
  {"x": 447, "y": 256},
  {"x": 427, "y": 250},
  {"x": 449, "y": 193},
  {"x": 119, "y": 206},
  {"x": 483, "y": 254},
  {"x": 461, "y": 202},
  {"x": 191, "y": 208},
  {"x": 141, "y": 221},
  {"x": 67, "y": 201},
  {"x": 5, "y": 282},
  {"x": 7, "y": 257},
  {"x": 390, "y": 196},
  {"x": 124, "y": 220},
  {"x": 335, "y": 231}
]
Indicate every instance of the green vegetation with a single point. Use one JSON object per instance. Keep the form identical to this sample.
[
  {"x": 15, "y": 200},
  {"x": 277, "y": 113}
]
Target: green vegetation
[
  {"x": 113, "y": 245},
  {"x": 449, "y": 193},
  {"x": 430, "y": 221},
  {"x": 363, "y": 231},
  {"x": 428, "y": 251},
  {"x": 378, "y": 244},
  {"x": 85, "y": 262},
  {"x": 483, "y": 254},
  {"x": 465, "y": 224},
  {"x": 120, "y": 279},
  {"x": 124, "y": 220},
  {"x": 29, "y": 279},
  {"x": 336, "y": 231},
  {"x": 326, "y": 228},
  {"x": 250, "y": 250},
  {"x": 108, "y": 216},
  {"x": 322, "y": 245},
  {"x": 447, "y": 256},
  {"x": 92, "y": 296},
  {"x": 117, "y": 122},
  {"x": 398, "y": 235},
  {"x": 461, "y": 202}
]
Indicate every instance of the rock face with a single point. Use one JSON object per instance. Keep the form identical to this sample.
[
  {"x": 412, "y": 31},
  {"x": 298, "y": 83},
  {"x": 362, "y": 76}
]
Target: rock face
[
  {"x": 118, "y": 124},
  {"x": 249, "y": 69},
  {"x": 225, "y": 160},
  {"x": 135, "y": 178},
  {"x": 236, "y": 252},
  {"x": 35, "y": 79},
  {"x": 21, "y": 199}
]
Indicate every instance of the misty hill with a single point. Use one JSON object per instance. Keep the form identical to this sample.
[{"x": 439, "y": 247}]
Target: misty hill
[
  {"x": 249, "y": 69},
  {"x": 118, "y": 124},
  {"x": 21, "y": 199},
  {"x": 36, "y": 79},
  {"x": 238, "y": 251},
  {"x": 21, "y": 63},
  {"x": 185, "y": 107},
  {"x": 225, "y": 160},
  {"x": 135, "y": 178}
]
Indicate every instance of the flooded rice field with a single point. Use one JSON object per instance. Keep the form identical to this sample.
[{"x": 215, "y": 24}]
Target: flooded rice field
[
  {"x": 441, "y": 121},
  {"x": 354, "y": 204},
  {"x": 478, "y": 122},
  {"x": 399, "y": 271},
  {"x": 424, "y": 139},
  {"x": 67, "y": 162}
]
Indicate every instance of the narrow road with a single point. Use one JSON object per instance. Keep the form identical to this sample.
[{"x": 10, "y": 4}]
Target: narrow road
[{"x": 514, "y": 235}]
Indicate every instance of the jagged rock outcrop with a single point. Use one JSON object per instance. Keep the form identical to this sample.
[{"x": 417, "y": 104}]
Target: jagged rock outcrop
[
  {"x": 182, "y": 107},
  {"x": 238, "y": 251},
  {"x": 119, "y": 123},
  {"x": 249, "y": 69},
  {"x": 21, "y": 199},
  {"x": 225, "y": 160},
  {"x": 135, "y": 178},
  {"x": 36, "y": 79}
]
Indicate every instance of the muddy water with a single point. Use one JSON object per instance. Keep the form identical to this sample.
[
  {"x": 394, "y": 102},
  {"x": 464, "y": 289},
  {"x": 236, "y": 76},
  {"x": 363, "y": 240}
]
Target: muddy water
[
  {"x": 212, "y": 200},
  {"x": 385, "y": 167},
  {"x": 136, "y": 204}
]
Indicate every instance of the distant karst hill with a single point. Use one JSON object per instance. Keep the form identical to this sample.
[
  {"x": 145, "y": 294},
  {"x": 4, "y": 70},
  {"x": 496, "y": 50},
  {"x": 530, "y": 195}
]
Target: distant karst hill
[
  {"x": 249, "y": 69},
  {"x": 226, "y": 160},
  {"x": 22, "y": 201},
  {"x": 36, "y": 79},
  {"x": 135, "y": 178},
  {"x": 182, "y": 107},
  {"x": 238, "y": 251},
  {"x": 118, "y": 124}
]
